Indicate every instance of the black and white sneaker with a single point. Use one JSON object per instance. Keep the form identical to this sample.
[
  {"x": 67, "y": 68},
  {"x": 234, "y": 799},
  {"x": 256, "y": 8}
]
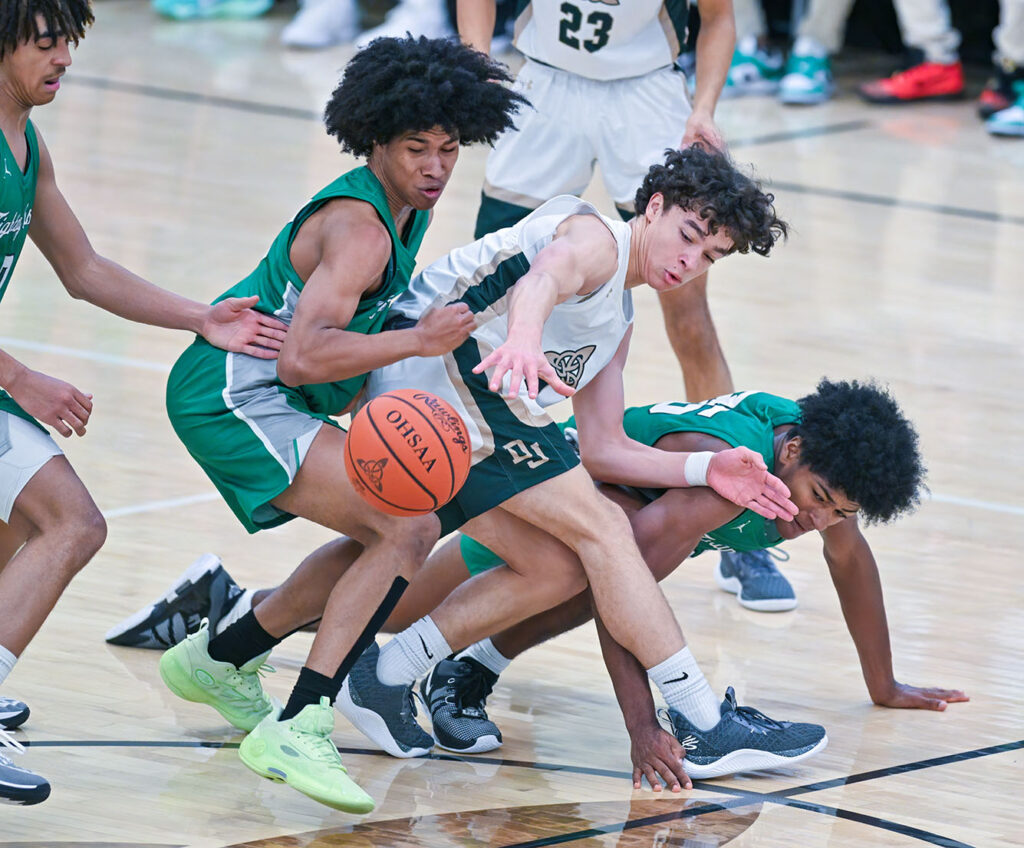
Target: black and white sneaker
[
  {"x": 455, "y": 692},
  {"x": 386, "y": 715},
  {"x": 744, "y": 740},
  {"x": 19, "y": 785},
  {"x": 12, "y": 713},
  {"x": 205, "y": 590}
]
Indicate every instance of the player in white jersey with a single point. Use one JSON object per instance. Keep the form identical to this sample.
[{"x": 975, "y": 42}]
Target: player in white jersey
[{"x": 601, "y": 78}]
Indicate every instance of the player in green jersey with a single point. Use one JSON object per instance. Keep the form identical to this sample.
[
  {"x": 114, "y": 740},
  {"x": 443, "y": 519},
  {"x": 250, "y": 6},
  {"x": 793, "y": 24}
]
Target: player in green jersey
[
  {"x": 263, "y": 432},
  {"x": 846, "y": 453},
  {"x": 49, "y": 525}
]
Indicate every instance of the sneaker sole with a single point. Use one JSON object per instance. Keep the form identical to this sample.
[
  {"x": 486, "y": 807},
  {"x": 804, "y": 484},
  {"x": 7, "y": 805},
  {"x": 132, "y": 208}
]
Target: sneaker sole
[
  {"x": 360, "y": 807},
  {"x": 206, "y": 564},
  {"x": 734, "y": 587},
  {"x": 481, "y": 746},
  {"x": 801, "y": 99},
  {"x": 372, "y": 726},
  {"x": 12, "y": 720},
  {"x": 748, "y": 759},
  {"x": 931, "y": 98},
  {"x": 23, "y": 796}
]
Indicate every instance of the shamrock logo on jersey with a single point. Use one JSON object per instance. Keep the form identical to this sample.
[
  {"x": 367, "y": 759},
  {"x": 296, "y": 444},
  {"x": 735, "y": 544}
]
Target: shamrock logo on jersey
[
  {"x": 374, "y": 470},
  {"x": 569, "y": 364}
]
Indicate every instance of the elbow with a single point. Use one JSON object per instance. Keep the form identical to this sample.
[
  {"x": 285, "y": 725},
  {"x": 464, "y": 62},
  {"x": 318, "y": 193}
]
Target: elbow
[{"x": 289, "y": 371}]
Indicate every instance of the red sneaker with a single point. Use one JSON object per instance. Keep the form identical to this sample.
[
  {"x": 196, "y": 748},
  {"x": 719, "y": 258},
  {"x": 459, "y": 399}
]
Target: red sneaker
[{"x": 925, "y": 81}]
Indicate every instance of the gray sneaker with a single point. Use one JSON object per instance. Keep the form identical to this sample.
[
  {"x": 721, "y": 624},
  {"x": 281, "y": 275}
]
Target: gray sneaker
[
  {"x": 19, "y": 785},
  {"x": 744, "y": 740},
  {"x": 455, "y": 693},
  {"x": 204, "y": 590},
  {"x": 386, "y": 715},
  {"x": 12, "y": 713},
  {"x": 755, "y": 581}
]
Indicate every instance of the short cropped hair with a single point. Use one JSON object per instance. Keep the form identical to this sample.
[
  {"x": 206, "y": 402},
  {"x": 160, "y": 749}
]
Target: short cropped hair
[
  {"x": 68, "y": 18},
  {"x": 708, "y": 183},
  {"x": 399, "y": 85},
  {"x": 855, "y": 436}
]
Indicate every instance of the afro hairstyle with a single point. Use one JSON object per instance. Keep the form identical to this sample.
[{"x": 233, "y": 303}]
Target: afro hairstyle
[
  {"x": 708, "y": 183},
  {"x": 399, "y": 85},
  {"x": 855, "y": 436}
]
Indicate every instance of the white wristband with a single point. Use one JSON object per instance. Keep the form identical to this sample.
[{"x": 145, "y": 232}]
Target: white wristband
[{"x": 696, "y": 468}]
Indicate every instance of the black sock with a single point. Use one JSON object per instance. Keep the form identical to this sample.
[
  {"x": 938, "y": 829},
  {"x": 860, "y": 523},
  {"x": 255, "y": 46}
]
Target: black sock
[
  {"x": 242, "y": 641},
  {"x": 309, "y": 689},
  {"x": 312, "y": 685}
]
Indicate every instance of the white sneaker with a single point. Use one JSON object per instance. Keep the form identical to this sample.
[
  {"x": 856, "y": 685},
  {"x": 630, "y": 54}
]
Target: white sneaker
[
  {"x": 418, "y": 17},
  {"x": 322, "y": 23}
]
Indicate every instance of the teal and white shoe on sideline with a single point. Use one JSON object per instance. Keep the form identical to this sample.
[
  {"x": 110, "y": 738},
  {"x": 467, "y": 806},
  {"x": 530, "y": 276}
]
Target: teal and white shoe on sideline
[
  {"x": 300, "y": 752},
  {"x": 754, "y": 70},
  {"x": 1010, "y": 121},
  {"x": 808, "y": 76},
  {"x": 188, "y": 10},
  {"x": 236, "y": 693}
]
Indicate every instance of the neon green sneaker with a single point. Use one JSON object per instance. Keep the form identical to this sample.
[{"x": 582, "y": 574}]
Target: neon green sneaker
[
  {"x": 236, "y": 693},
  {"x": 300, "y": 752}
]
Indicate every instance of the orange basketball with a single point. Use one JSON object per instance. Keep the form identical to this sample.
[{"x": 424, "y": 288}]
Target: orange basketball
[{"x": 407, "y": 452}]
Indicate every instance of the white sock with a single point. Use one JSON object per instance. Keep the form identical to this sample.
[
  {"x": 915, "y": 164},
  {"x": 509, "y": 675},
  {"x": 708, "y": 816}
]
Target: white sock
[
  {"x": 685, "y": 689},
  {"x": 412, "y": 653},
  {"x": 807, "y": 46},
  {"x": 7, "y": 661},
  {"x": 487, "y": 655},
  {"x": 241, "y": 607}
]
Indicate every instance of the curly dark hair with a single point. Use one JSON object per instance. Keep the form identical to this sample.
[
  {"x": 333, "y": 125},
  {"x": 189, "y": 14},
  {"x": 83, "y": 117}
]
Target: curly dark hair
[
  {"x": 399, "y": 85},
  {"x": 856, "y": 437},
  {"x": 707, "y": 182},
  {"x": 69, "y": 18}
]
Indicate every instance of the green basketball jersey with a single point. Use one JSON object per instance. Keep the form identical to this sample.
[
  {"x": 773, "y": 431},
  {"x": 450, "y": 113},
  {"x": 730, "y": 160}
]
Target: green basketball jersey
[
  {"x": 746, "y": 419},
  {"x": 17, "y": 194},
  {"x": 278, "y": 285}
]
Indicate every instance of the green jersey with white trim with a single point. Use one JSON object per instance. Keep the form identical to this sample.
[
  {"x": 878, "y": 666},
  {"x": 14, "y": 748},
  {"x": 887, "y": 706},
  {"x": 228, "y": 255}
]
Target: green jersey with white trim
[
  {"x": 742, "y": 419},
  {"x": 17, "y": 196},
  {"x": 278, "y": 285}
]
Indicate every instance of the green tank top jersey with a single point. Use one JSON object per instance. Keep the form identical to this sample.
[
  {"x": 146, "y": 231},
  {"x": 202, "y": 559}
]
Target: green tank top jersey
[
  {"x": 745, "y": 419},
  {"x": 278, "y": 285},
  {"x": 17, "y": 195}
]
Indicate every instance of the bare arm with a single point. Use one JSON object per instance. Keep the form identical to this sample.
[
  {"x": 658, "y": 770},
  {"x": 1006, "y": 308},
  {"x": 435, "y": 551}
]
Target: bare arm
[
  {"x": 855, "y": 575},
  {"x": 715, "y": 45},
  {"x": 351, "y": 249},
  {"x": 582, "y": 256},
  {"x": 476, "y": 23},
  {"x": 609, "y": 455},
  {"x": 88, "y": 276}
]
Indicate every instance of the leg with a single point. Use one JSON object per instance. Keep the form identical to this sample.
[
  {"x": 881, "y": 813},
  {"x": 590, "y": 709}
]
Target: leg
[{"x": 695, "y": 340}]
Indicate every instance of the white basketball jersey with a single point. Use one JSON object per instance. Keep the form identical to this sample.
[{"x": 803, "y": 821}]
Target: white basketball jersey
[
  {"x": 582, "y": 333},
  {"x": 603, "y": 39}
]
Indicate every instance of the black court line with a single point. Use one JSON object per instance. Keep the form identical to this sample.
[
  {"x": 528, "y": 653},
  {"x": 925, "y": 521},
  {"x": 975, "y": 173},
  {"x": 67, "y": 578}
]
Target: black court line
[
  {"x": 896, "y": 203},
  {"x": 743, "y": 797},
  {"x": 194, "y": 97},
  {"x": 807, "y": 132}
]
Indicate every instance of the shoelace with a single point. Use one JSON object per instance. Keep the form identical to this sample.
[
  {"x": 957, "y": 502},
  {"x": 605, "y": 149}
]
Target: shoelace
[
  {"x": 759, "y": 563},
  {"x": 469, "y": 698},
  {"x": 756, "y": 719},
  {"x": 320, "y": 747},
  {"x": 12, "y": 744}
]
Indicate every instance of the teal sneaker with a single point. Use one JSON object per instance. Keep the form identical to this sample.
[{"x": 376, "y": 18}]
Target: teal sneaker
[
  {"x": 754, "y": 70},
  {"x": 300, "y": 752},
  {"x": 189, "y": 10},
  {"x": 808, "y": 80},
  {"x": 236, "y": 693},
  {"x": 1010, "y": 121}
]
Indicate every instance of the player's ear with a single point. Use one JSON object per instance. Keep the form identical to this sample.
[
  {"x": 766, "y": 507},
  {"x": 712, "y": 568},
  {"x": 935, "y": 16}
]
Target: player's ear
[
  {"x": 791, "y": 449},
  {"x": 655, "y": 205}
]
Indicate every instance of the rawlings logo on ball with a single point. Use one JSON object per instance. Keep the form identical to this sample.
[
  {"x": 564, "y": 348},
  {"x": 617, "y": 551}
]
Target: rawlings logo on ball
[{"x": 446, "y": 420}]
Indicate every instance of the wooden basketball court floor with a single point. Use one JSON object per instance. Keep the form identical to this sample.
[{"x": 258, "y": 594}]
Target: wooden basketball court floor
[{"x": 184, "y": 148}]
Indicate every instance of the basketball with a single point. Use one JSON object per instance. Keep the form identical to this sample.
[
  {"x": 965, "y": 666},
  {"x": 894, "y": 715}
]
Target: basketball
[{"x": 407, "y": 452}]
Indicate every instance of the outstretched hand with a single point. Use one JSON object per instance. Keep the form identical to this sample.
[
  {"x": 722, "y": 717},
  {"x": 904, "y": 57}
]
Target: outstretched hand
[
  {"x": 741, "y": 476},
  {"x": 903, "y": 696},
  {"x": 232, "y": 324},
  {"x": 521, "y": 362},
  {"x": 52, "y": 401}
]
